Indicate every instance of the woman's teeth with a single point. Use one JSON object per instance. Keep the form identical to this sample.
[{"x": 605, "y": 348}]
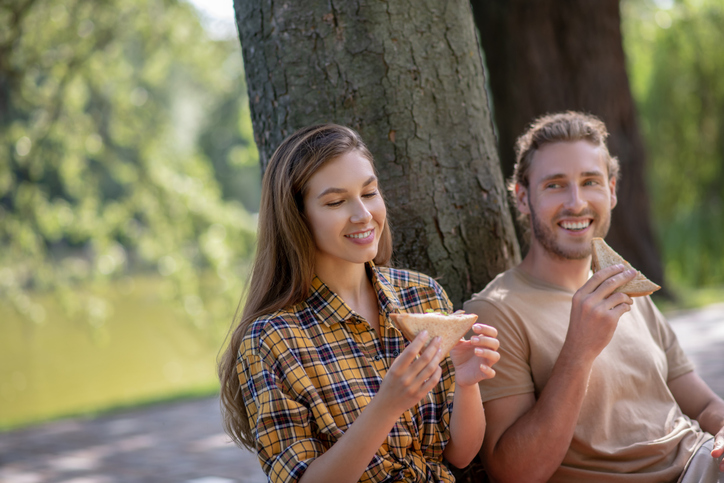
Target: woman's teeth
[
  {"x": 364, "y": 234},
  {"x": 578, "y": 225}
]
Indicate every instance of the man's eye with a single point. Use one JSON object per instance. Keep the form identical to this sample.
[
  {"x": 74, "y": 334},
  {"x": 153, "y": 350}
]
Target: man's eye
[
  {"x": 553, "y": 185},
  {"x": 591, "y": 182}
]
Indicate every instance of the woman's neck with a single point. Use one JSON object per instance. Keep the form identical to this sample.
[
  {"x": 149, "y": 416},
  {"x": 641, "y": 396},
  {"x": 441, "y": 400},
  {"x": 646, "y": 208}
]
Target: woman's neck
[
  {"x": 351, "y": 283},
  {"x": 348, "y": 280}
]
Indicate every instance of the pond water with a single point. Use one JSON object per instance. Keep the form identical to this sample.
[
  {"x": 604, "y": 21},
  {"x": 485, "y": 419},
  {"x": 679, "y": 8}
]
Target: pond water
[{"x": 146, "y": 350}]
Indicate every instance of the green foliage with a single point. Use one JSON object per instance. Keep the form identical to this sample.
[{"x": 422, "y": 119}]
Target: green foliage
[
  {"x": 102, "y": 106},
  {"x": 676, "y": 67}
]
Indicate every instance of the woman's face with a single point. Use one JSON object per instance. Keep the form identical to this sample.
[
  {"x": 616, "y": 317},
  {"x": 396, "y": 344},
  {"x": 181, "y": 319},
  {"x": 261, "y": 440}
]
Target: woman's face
[{"x": 345, "y": 211}]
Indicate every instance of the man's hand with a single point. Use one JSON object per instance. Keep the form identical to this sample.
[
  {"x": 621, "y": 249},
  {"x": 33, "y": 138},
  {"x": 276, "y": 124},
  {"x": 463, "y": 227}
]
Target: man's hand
[
  {"x": 473, "y": 359},
  {"x": 596, "y": 310}
]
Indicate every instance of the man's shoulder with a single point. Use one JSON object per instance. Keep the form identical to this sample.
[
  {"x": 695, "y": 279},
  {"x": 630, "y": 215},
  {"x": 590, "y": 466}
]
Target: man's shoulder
[{"x": 504, "y": 286}]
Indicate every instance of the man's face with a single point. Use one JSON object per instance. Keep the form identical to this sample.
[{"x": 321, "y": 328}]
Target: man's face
[{"x": 569, "y": 198}]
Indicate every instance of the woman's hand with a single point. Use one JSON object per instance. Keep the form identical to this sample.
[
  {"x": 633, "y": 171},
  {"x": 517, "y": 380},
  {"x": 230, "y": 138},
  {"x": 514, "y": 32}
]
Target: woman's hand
[
  {"x": 473, "y": 359},
  {"x": 410, "y": 377}
]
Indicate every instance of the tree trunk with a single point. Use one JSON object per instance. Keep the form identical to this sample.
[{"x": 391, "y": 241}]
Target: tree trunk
[
  {"x": 551, "y": 55},
  {"x": 408, "y": 76}
]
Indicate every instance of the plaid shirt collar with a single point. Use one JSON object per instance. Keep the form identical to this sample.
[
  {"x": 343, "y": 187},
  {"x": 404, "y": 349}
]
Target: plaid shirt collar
[{"x": 332, "y": 309}]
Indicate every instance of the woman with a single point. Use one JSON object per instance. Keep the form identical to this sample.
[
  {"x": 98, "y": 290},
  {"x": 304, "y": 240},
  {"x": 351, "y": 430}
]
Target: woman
[{"x": 317, "y": 380}]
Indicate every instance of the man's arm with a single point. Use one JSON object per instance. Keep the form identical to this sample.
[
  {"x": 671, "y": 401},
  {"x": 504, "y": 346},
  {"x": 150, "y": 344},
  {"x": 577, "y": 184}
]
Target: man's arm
[
  {"x": 699, "y": 402},
  {"x": 526, "y": 440}
]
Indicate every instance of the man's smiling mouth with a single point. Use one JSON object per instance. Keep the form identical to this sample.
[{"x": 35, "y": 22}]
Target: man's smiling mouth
[{"x": 575, "y": 225}]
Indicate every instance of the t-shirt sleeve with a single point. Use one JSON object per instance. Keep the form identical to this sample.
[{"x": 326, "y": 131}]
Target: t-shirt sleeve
[
  {"x": 512, "y": 371},
  {"x": 278, "y": 414},
  {"x": 678, "y": 362}
]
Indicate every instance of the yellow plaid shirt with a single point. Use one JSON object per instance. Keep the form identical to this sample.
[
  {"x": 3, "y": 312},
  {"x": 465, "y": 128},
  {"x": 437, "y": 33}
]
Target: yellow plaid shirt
[{"x": 308, "y": 371}]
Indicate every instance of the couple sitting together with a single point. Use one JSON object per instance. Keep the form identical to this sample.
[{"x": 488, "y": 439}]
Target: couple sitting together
[{"x": 589, "y": 384}]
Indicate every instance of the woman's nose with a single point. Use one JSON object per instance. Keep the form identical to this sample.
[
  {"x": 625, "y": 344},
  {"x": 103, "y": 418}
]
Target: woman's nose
[{"x": 360, "y": 213}]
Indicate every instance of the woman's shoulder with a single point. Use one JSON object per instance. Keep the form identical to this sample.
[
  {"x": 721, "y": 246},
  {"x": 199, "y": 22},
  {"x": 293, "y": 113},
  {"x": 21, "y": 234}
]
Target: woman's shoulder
[
  {"x": 402, "y": 278},
  {"x": 282, "y": 326},
  {"x": 414, "y": 289}
]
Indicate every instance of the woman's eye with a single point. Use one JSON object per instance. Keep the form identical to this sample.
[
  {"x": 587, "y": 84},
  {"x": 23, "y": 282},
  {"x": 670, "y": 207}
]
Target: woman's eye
[
  {"x": 370, "y": 195},
  {"x": 335, "y": 203}
]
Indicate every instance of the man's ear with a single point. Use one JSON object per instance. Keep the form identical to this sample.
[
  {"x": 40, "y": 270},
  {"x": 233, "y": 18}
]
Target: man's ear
[
  {"x": 612, "y": 187},
  {"x": 521, "y": 197}
]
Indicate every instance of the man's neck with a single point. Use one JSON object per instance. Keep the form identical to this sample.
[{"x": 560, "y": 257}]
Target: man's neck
[{"x": 551, "y": 268}]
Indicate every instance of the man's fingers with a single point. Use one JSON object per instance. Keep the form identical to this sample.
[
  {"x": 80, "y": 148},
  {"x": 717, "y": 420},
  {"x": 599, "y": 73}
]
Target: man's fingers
[
  {"x": 620, "y": 309},
  {"x": 601, "y": 276}
]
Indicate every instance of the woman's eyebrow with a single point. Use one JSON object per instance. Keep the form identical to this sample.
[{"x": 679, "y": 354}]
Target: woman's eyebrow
[{"x": 370, "y": 180}]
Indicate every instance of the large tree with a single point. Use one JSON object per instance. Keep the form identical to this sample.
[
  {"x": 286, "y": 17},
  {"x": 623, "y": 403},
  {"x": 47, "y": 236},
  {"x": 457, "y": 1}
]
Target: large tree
[
  {"x": 408, "y": 76},
  {"x": 551, "y": 55}
]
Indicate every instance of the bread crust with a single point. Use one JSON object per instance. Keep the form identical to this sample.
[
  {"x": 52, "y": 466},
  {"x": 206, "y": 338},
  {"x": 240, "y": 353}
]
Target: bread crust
[
  {"x": 602, "y": 256},
  {"x": 450, "y": 328}
]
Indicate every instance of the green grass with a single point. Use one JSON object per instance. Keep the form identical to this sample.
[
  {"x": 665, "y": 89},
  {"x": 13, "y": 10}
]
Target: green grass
[
  {"x": 146, "y": 351},
  {"x": 688, "y": 298}
]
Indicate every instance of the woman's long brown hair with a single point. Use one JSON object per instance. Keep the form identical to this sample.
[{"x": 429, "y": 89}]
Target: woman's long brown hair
[{"x": 283, "y": 266}]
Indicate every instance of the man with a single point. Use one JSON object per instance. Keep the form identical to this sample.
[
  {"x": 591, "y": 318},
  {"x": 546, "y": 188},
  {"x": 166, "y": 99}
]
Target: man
[{"x": 592, "y": 386}]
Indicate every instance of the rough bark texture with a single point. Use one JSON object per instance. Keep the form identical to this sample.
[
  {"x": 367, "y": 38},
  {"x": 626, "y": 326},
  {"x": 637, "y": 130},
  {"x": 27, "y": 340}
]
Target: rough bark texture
[
  {"x": 554, "y": 55},
  {"x": 408, "y": 76}
]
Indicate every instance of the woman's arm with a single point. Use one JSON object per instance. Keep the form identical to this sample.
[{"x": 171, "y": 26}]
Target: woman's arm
[
  {"x": 406, "y": 383},
  {"x": 473, "y": 360}
]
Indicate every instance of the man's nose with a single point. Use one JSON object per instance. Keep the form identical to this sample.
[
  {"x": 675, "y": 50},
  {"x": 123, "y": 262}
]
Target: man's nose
[{"x": 575, "y": 200}]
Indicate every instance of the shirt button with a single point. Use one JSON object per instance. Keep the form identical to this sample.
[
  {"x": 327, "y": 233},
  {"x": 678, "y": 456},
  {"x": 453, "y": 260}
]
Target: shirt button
[
  {"x": 395, "y": 353},
  {"x": 378, "y": 357}
]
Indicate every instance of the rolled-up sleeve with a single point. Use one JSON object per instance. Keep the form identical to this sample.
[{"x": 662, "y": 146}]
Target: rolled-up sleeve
[{"x": 280, "y": 419}]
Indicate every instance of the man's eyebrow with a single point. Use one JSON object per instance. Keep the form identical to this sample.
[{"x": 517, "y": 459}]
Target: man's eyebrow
[
  {"x": 552, "y": 177},
  {"x": 585, "y": 174},
  {"x": 593, "y": 174},
  {"x": 369, "y": 181}
]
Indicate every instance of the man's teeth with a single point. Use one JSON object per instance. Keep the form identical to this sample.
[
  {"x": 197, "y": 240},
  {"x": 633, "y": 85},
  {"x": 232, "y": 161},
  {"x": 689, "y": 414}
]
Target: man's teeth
[
  {"x": 364, "y": 234},
  {"x": 578, "y": 225}
]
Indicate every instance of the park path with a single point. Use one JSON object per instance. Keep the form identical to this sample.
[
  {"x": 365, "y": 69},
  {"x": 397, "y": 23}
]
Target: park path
[{"x": 182, "y": 442}]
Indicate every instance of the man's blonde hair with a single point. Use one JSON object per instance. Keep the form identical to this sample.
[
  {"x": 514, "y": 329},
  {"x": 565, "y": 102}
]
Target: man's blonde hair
[{"x": 568, "y": 126}]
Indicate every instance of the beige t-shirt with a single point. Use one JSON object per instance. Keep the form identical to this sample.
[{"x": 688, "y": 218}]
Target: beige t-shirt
[{"x": 629, "y": 421}]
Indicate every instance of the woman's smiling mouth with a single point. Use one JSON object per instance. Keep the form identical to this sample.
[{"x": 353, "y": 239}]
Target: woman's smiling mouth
[{"x": 360, "y": 235}]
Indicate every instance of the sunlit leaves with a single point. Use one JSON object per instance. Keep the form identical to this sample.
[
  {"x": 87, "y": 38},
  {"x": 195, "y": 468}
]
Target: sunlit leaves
[
  {"x": 101, "y": 170},
  {"x": 676, "y": 67}
]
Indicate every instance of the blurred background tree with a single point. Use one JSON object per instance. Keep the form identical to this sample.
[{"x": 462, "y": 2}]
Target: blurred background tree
[
  {"x": 128, "y": 175},
  {"x": 126, "y": 147},
  {"x": 676, "y": 70}
]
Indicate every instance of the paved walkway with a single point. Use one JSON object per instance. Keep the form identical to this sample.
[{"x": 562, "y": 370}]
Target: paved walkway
[{"x": 183, "y": 441}]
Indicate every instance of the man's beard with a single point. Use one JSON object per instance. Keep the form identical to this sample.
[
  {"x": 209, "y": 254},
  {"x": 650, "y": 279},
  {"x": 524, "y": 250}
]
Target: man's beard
[{"x": 545, "y": 236}]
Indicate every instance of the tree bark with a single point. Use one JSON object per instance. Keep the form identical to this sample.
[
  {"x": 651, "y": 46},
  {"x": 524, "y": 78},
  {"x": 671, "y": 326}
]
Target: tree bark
[
  {"x": 408, "y": 76},
  {"x": 551, "y": 55}
]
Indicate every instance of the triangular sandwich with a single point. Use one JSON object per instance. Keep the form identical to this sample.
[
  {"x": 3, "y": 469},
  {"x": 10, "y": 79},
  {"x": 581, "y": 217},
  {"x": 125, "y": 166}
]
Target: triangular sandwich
[
  {"x": 449, "y": 327},
  {"x": 603, "y": 256}
]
